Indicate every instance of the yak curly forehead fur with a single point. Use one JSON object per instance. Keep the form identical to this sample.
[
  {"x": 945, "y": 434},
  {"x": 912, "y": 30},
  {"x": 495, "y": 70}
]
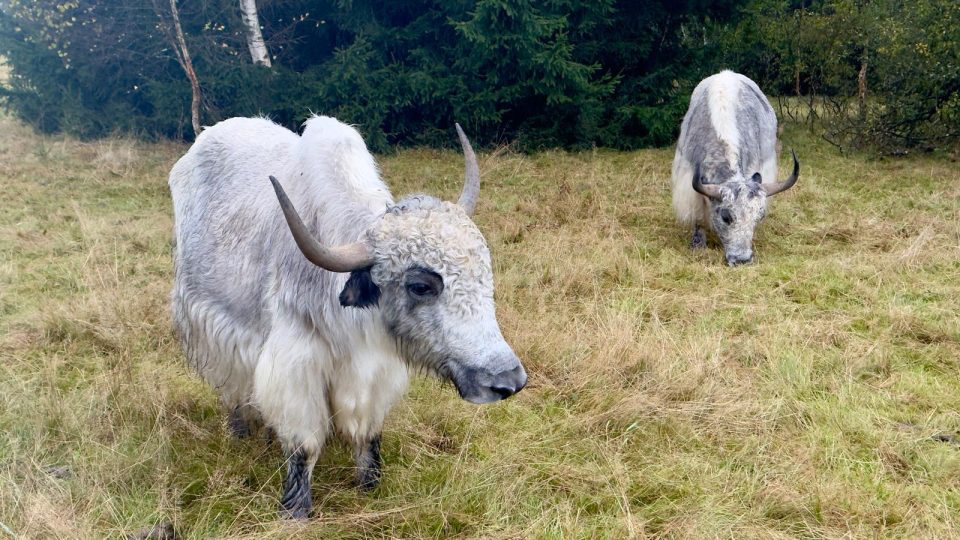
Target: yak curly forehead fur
[{"x": 424, "y": 231}]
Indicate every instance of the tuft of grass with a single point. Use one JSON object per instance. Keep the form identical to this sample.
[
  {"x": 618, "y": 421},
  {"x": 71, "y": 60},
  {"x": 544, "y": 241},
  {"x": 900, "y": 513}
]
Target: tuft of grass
[{"x": 813, "y": 394}]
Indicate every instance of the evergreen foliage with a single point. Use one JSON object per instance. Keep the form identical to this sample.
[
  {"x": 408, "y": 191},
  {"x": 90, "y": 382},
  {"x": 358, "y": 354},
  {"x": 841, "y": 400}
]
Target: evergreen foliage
[{"x": 570, "y": 73}]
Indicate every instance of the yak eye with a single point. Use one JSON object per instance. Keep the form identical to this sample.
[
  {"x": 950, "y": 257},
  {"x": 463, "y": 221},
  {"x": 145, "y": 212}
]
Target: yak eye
[
  {"x": 422, "y": 283},
  {"x": 419, "y": 289},
  {"x": 726, "y": 216}
]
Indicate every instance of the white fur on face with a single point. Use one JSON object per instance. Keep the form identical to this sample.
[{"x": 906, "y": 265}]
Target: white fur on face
[
  {"x": 459, "y": 328},
  {"x": 437, "y": 235}
]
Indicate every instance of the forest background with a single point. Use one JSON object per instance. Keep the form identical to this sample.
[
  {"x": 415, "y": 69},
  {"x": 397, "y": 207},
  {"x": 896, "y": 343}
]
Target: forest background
[{"x": 882, "y": 75}]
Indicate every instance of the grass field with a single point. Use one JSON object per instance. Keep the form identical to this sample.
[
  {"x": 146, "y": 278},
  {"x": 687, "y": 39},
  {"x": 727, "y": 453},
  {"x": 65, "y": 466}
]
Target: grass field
[{"x": 814, "y": 394}]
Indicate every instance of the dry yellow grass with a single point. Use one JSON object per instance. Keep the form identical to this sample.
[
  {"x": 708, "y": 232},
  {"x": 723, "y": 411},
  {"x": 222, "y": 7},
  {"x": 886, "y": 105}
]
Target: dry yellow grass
[{"x": 670, "y": 396}]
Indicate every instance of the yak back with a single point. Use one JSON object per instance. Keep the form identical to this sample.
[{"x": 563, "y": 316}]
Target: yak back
[{"x": 729, "y": 128}]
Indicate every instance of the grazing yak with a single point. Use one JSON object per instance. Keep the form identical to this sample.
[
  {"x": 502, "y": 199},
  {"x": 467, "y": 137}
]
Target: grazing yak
[
  {"x": 725, "y": 165},
  {"x": 311, "y": 324}
]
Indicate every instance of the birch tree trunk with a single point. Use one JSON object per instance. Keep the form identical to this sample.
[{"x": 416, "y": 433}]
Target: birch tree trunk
[{"x": 251, "y": 22}]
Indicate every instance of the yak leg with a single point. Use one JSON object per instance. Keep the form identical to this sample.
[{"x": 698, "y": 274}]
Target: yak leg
[
  {"x": 296, "y": 501},
  {"x": 362, "y": 391},
  {"x": 368, "y": 461},
  {"x": 699, "y": 239},
  {"x": 238, "y": 424},
  {"x": 290, "y": 392},
  {"x": 243, "y": 421}
]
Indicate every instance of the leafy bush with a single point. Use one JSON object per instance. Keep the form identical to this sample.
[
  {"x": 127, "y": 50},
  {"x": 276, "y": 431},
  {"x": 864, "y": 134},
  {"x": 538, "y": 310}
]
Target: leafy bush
[{"x": 880, "y": 74}]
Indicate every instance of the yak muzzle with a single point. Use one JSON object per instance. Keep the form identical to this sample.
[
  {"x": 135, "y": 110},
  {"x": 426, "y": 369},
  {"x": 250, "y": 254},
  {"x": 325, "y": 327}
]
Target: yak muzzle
[
  {"x": 737, "y": 254},
  {"x": 739, "y": 258},
  {"x": 481, "y": 386}
]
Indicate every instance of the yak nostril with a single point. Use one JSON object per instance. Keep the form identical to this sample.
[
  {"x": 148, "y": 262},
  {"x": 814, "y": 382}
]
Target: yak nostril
[
  {"x": 510, "y": 382},
  {"x": 735, "y": 261},
  {"x": 503, "y": 391}
]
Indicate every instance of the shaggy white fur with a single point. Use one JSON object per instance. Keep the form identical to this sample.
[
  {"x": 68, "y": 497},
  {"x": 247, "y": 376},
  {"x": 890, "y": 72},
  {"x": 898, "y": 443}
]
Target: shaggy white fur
[
  {"x": 305, "y": 366},
  {"x": 723, "y": 96},
  {"x": 690, "y": 207}
]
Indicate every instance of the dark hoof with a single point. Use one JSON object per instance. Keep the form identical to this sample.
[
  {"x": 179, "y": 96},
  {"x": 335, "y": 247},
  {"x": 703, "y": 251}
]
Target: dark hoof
[
  {"x": 368, "y": 480},
  {"x": 296, "y": 505},
  {"x": 298, "y": 513}
]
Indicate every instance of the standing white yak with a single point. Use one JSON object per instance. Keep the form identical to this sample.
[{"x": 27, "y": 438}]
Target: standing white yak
[{"x": 312, "y": 325}]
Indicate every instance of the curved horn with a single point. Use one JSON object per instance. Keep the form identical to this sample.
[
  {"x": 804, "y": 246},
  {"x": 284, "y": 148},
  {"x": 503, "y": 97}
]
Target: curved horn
[
  {"x": 711, "y": 191},
  {"x": 471, "y": 175},
  {"x": 345, "y": 258},
  {"x": 777, "y": 187}
]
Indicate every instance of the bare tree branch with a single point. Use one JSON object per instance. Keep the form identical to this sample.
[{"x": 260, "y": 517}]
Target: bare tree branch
[{"x": 179, "y": 43}]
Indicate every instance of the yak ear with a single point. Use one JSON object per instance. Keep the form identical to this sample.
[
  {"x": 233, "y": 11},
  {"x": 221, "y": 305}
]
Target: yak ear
[{"x": 360, "y": 290}]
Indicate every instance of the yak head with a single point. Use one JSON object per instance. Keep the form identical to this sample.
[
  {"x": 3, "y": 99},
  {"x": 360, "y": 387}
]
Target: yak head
[
  {"x": 737, "y": 206},
  {"x": 426, "y": 267}
]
